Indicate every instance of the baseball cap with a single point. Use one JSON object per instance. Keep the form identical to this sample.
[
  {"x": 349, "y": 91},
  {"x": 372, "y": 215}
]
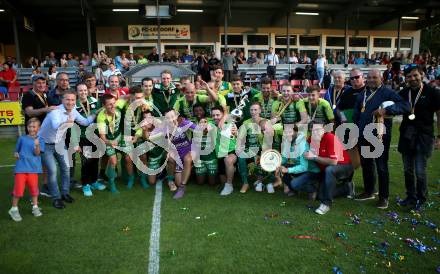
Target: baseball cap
[
  {"x": 38, "y": 77},
  {"x": 409, "y": 67}
]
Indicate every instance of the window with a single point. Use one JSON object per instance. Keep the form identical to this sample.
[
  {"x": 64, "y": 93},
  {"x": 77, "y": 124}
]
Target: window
[
  {"x": 233, "y": 39},
  {"x": 254, "y": 39},
  {"x": 309, "y": 40},
  {"x": 142, "y": 50},
  {"x": 404, "y": 43},
  {"x": 201, "y": 48},
  {"x": 277, "y": 50},
  {"x": 382, "y": 42},
  {"x": 282, "y": 40},
  {"x": 332, "y": 41},
  {"x": 114, "y": 50},
  {"x": 358, "y": 42},
  {"x": 310, "y": 53}
]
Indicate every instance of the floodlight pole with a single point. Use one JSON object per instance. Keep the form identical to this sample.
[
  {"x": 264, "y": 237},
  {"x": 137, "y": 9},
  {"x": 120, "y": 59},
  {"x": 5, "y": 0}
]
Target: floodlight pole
[
  {"x": 159, "y": 46},
  {"x": 17, "y": 45},
  {"x": 399, "y": 27},
  {"x": 89, "y": 35},
  {"x": 346, "y": 41},
  {"x": 288, "y": 34},
  {"x": 226, "y": 30}
]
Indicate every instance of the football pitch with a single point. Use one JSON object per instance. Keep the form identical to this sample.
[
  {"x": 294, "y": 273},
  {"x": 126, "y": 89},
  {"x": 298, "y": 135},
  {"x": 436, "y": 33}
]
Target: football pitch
[{"x": 207, "y": 233}]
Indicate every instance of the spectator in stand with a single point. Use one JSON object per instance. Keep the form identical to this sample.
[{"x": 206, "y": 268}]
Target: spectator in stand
[
  {"x": 142, "y": 60},
  {"x": 131, "y": 60},
  {"x": 71, "y": 61},
  {"x": 320, "y": 63},
  {"x": 272, "y": 61},
  {"x": 293, "y": 59},
  {"x": 153, "y": 56},
  {"x": 332, "y": 58},
  {"x": 213, "y": 61},
  {"x": 63, "y": 60},
  {"x": 36, "y": 71},
  {"x": 351, "y": 59},
  {"x": 234, "y": 55},
  {"x": 260, "y": 58},
  {"x": 52, "y": 60},
  {"x": 94, "y": 60},
  {"x": 240, "y": 58},
  {"x": 124, "y": 62},
  {"x": 283, "y": 58},
  {"x": 51, "y": 76},
  {"x": 386, "y": 60},
  {"x": 253, "y": 59},
  {"x": 195, "y": 62},
  {"x": 85, "y": 59},
  {"x": 306, "y": 59},
  {"x": 187, "y": 57},
  {"x": 104, "y": 58},
  {"x": 360, "y": 60},
  {"x": 203, "y": 67},
  {"x": 9, "y": 76},
  {"x": 166, "y": 57},
  {"x": 112, "y": 70},
  {"x": 340, "y": 58},
  {"x": 175, "y": 58},
  {"x": 228, "y": 65},
  {"x": 80, "y": 73}
]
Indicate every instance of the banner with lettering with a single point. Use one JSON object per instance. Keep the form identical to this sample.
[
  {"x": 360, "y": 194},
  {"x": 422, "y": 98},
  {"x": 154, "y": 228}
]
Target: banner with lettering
[
  {"x": 149, "y": 32},
  {"x": 10, "y": 114}
]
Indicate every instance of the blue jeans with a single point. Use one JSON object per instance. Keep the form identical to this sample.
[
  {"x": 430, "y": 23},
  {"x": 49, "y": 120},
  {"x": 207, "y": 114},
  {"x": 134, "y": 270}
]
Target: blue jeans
[
  {"x": 415, "y": 162},
  {"x": 305, "y": 182},
  {"x": 320, "y": 72},
  {"x": 332, "y": 175},
  {"x": 50, "y": 157}
]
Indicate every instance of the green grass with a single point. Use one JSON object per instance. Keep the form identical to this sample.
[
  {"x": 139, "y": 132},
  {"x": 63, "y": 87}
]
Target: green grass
[{"x": 110, "y": 234}]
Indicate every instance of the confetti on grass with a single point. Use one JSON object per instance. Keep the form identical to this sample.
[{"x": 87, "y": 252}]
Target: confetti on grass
[{"x": 212, "y": 234}]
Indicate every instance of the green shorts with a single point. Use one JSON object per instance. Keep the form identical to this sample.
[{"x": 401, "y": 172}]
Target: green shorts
[
  {"x": 122, "y": 147},
  {"x": 206, "y": 167},
  {"x": 156, "y": 160}
]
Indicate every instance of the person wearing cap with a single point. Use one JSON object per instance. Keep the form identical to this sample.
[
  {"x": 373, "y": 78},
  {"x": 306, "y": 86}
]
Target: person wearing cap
[
  {"x": 368, "y": 105},
  {"x": 416, "y": 138},
  {"x": 34, "y": 103}
]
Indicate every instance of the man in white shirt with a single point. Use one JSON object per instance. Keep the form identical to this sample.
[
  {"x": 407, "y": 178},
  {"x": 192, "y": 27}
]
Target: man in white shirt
[
  {"x": 112, "y": 70},
  {"x": 52, "y": 132},
  {"x": 272, "y": 61}
]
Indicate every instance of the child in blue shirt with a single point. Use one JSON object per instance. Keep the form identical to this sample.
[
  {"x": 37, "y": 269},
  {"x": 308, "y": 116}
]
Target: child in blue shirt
[{"x": 28, "y": 166}]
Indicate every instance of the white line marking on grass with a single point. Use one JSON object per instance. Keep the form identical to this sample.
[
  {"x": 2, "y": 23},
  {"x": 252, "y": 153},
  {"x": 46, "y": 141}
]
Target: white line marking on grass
[
  {"x": 6, "y": 166},
  {"x": 153, "y": 264}
]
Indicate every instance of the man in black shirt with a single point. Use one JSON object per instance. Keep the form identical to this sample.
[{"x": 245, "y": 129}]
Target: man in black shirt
[
  {"x": 153, "y": 56},
  {"x": 34, "y": 103},
  {"x": 417, "y": 134}
]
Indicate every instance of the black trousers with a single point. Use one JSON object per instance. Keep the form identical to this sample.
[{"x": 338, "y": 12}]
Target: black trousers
[
  {"x": 379, "y": 164},
  {"x": 89, "y": 166}
]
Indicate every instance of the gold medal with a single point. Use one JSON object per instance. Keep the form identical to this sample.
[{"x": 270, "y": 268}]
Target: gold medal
[
  {"x": 363, "y": 109},
  {"x": 412, "y": 117}
]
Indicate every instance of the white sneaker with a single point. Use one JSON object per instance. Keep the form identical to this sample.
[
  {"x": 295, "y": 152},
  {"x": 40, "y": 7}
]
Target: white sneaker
[
  {"x": 259, "y": 186},
  {"x": 228, "y": 189},
  {"x": 270, "y": 189},
  {"x": 322, "y": 209},
  {"x": 36, "y": 211},
  {"x": 15, "y": 215}
]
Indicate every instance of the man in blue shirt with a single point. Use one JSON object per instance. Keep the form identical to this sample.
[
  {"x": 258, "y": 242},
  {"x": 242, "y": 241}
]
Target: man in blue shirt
[
  {"x": 367, "y": 107},
  {"x": 52, "y": 132},
  {"x": 54, "y": 95}
]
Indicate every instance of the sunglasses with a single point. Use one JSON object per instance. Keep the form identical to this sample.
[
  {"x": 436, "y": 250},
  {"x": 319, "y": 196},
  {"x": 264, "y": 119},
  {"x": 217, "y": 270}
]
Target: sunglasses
[{"x": 355, "y": 77}]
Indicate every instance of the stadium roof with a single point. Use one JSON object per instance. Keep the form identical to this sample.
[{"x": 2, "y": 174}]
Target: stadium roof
[{"x": 378, "y": 11}]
